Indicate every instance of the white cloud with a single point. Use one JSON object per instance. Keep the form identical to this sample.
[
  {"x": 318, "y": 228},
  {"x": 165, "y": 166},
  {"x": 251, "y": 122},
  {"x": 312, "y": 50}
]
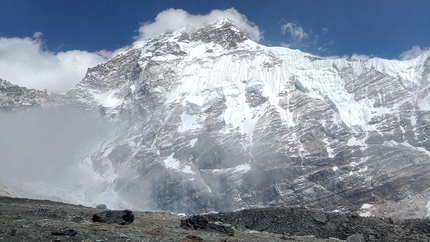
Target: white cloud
[
  {"x": 353, "y": 56},
  {"x": 296, "y": 32},
  {"x": 24, "y": 62},
  {"x": 325, "y": 30},
  {"x": 412, "y": 53},
  {"x": 37, "y": 35},
  {"x": 361, "y": 57},
  {"x": 173, "y": 19},
  {"x": 322, "y": 49}
]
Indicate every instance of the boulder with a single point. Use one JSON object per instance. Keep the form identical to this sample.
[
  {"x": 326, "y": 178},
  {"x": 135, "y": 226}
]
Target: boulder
[{"x": 112, "y": 216}]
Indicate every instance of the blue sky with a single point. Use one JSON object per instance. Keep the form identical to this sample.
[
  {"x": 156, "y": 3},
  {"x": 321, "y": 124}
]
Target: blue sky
[{"x": 373, "y": 28}]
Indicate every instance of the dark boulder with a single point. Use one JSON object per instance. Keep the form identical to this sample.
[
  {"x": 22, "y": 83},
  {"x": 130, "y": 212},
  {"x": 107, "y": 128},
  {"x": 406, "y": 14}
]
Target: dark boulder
[
  {"x": 198, "y": 222},
  {"x": 112, "y": 216}
]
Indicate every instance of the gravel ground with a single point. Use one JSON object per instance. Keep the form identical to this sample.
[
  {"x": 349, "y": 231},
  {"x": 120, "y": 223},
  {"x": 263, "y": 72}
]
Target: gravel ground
[{"x": 42, "y": 220}]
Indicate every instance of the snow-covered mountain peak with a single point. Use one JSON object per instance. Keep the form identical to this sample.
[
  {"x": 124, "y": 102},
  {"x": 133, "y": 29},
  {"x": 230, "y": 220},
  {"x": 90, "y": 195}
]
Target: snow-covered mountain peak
[
  {"x": 201, "y": 104},
  {"x": 218, "y": 59},
  {"x": 219, "y": 32}
]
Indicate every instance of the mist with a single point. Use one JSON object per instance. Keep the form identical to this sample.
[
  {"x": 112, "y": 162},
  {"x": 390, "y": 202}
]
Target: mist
[{"x": 43, "y": 154}]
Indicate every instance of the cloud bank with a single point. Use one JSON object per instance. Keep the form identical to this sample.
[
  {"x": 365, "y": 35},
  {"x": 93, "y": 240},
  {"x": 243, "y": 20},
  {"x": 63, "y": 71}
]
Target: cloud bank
[
  {"x": 412, "y": 53},
  {"x": 24, "y": 62},
  {"x": 173, "y": 19}
]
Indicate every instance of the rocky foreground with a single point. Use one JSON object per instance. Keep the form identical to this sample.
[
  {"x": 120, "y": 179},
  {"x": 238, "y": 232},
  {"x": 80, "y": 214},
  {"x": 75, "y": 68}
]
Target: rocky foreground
[{"x": 42, "y": 220}]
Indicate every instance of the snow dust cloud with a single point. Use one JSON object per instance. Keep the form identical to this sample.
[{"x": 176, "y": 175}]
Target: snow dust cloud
[{"x": 42, "y": 154}]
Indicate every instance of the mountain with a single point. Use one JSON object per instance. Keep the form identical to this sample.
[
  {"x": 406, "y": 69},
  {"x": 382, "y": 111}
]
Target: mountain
[{"x": 208, "y": 120}]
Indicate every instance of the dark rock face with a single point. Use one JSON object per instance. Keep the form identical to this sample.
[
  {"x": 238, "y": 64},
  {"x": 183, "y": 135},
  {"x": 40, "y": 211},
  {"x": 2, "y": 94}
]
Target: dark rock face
[{"x": 111, "y": 216}]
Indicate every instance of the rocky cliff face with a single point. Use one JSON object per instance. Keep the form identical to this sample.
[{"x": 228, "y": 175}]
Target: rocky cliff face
[
  {"x": 209, "y": 120},
  {"x": 16, "y": 98}
]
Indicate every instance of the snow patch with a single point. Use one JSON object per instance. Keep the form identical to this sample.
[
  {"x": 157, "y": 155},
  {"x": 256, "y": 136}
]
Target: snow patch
[
  {"x": 327, "y": 85},
  {"x": 364, "y": 169},
  {"x": 108, "y": 99},
  {"x": 354, "y": 164},
  {"x": 419, "y": 149},
  {"x": 428, "y": 208},
  {"x": 243, "y": 168},
  {"x": 353, "y": 141},
  {"x": 330, "y": 151},
  {"x": 365, "y": 214},
  {"x": 254, "y": 86},
  {"x": 249, "y": 127},
  {"x": 366, "y": 206},
  {"x": 133, "y": 88},
  {"x": 171, "y": 162},
  {"x": 192, "y": 142},
  {"x": 204, "y": 101},
  {"x": 189, "y": 122},
  {"x": 240, "y": 169},
  {"x": 163, "y": 58},
  {"x": 187, "y": 169},
  {"x": 424, "y": 104}
]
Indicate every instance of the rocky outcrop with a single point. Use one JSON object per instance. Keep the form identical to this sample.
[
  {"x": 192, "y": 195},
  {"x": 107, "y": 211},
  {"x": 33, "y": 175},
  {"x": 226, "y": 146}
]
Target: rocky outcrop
[
  {"x": 297, "y": 221},
  {"x": 111, "y": 216},
  {"x": 198, "y": 222},
  {"x": 16, "y": 98}
]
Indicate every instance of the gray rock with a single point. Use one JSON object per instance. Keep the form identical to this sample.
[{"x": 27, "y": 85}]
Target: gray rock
[
  {"x": 101, "y": 206},
  {"x": 198, "y": 222}
]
